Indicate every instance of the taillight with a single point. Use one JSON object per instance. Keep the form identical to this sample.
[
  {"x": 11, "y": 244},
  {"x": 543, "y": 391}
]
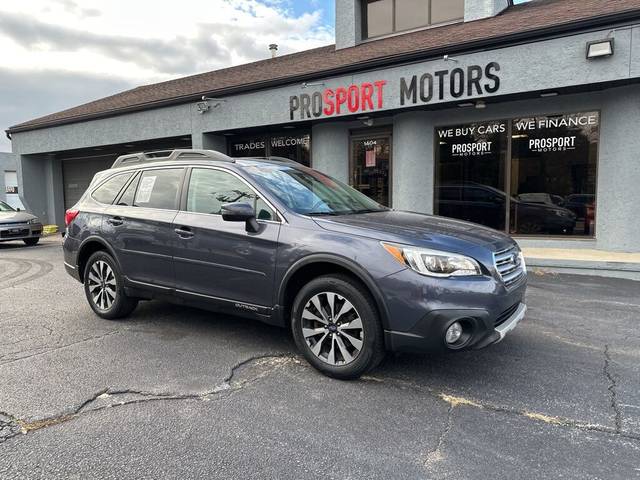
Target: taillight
[{"x": 70, "y": 215}]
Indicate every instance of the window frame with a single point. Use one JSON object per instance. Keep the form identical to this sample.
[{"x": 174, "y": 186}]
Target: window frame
[
  {"x": 395, "y": 31},
  {"x": 137, "y": 177},
  {"x": 507, "y": 175},
  {"x": 185, "y": 194}
]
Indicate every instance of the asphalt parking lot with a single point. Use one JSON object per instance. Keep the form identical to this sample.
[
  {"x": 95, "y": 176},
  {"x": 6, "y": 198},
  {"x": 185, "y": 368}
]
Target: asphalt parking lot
[{"x": 178, "y": 392}]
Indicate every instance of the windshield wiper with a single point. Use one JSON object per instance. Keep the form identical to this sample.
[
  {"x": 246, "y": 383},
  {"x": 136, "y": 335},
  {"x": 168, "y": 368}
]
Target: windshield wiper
[{"x": 331, "y": 214}]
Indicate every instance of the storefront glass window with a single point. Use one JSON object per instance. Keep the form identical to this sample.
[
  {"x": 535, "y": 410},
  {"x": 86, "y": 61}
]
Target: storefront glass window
[
  {"x": 553, "y": 174},
  {"x": 470, "y": 172},
  {"x": 549, "y": 187},
  {"x": 255, "y": 146},
  {"x": 294, "y": 146}
]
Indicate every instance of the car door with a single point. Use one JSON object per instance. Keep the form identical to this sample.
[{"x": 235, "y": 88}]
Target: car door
[
  {"x": 139, "y": 226},
  {"x": 221, "y": 260}
]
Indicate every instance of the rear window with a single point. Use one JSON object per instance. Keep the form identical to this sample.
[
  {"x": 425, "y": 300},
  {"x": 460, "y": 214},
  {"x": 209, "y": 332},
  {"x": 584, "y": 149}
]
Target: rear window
[
  {"x": 159, "y": 189},
  {"x": 107, "y": 192}
]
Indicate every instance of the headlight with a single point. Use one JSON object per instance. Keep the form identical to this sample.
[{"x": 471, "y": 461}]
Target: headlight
[
  {"x": 522, "y": 262},
  {"x": 33, "y": 220},
  {"x": 433, "y": 262}
]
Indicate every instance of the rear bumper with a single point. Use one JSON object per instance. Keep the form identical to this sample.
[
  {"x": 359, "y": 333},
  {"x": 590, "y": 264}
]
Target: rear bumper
[
  {"x": 481, "y": 330},
  {"x": 20, "y": 231}
]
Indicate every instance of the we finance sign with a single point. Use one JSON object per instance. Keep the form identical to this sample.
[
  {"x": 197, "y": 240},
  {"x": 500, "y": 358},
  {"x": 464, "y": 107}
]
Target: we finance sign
[{"x": 419, "y": 89}]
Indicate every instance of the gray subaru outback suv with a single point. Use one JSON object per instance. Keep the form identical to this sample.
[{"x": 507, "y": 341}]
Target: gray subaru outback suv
[{"x": 273, "y": 240}]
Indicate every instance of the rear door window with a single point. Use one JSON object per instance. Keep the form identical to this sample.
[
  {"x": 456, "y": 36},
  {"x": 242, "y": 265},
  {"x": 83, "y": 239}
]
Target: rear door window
[
  {"x": 159, "y": 189},
  {"x": 107, "y": 192}
]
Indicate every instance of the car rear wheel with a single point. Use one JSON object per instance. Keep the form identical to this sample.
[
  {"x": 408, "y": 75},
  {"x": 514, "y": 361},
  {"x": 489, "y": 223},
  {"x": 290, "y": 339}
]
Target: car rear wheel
[
  {"x": 103, "y": 286},
  {"x": 336, "y": 326},
  {"x": 30, "y": 242}
]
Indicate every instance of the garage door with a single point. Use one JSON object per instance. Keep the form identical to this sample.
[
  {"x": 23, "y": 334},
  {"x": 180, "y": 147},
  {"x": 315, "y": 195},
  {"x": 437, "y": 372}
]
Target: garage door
[{"x": 78, "y": 173}]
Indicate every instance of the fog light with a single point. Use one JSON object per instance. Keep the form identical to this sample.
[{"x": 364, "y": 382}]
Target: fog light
[{"x": 454, "y": 332}]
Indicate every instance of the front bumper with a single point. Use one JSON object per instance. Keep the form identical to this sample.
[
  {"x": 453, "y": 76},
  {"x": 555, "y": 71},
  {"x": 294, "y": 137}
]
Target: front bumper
[
  {"x": 481, "y": 330},
  {"x": 20, "y": 231}
]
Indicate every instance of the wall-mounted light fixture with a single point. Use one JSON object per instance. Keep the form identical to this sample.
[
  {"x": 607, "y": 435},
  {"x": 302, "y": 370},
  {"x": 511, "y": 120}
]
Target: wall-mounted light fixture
[
  {"x": 204, "y": 106},
  {"x": 481, "y": 105},
  {"x": 312, "y": 84},
  {"x": 600, "y": 48}
]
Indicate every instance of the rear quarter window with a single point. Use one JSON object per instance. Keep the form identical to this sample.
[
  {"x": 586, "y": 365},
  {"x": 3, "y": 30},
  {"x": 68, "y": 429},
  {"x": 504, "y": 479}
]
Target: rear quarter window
[{"x": 107, "y": 192}]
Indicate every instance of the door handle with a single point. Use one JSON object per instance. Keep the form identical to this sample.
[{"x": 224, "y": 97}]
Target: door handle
[
  {"x": 184, "y": 232},
  {"x": 115, "y": 221}
]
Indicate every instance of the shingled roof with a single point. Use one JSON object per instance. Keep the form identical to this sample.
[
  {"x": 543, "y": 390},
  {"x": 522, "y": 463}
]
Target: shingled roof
[{"x": 519, "y": 22}]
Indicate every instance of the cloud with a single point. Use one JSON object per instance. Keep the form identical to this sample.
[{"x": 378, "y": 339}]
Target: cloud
[
  {"x": 168, "y": 57},
  {"x": 30, "y": 94},
  {"x": 61, "y": 53}
]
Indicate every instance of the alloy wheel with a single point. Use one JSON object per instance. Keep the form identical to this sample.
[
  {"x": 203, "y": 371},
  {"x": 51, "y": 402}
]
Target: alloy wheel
[
  {"x": 102, "y": 284},
  {"x": 332, "y": 328}
]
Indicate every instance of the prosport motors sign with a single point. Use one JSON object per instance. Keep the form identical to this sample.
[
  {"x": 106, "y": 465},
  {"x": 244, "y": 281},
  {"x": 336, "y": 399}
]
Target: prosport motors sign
[
  {"x": 418, "y": 89},
  {"x": 556, "y": 133},
  {"x": 474, "y": 140}
]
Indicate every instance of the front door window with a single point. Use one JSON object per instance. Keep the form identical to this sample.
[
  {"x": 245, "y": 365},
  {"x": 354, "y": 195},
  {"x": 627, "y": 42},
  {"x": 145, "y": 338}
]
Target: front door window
[{"x": 370, "y": 166}]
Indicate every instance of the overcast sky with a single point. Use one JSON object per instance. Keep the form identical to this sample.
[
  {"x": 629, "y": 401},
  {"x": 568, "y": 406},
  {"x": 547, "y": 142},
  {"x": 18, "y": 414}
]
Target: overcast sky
[{"x": 61, "y": 53}]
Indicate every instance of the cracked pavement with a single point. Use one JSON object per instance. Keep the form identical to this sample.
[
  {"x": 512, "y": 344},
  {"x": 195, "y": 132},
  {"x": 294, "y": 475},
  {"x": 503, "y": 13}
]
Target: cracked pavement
[{"x": 176, "y": 391}]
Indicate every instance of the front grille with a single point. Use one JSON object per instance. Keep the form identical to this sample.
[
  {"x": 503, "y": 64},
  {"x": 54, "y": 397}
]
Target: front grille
[
  {"x": 6, "y": 224},
  {"x": 504, "y": 316},
  {"x": 509, "y": 266}
]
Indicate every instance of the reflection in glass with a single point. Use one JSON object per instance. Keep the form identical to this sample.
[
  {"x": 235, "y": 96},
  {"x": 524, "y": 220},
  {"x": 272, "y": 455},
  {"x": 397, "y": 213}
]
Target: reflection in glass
[
  {"x": 470, "y": 163},
  {"x": 553, "y": 163}
]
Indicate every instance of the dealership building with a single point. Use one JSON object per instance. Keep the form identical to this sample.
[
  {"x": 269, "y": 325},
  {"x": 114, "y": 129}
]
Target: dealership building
[{"x": 525, "y": 118}]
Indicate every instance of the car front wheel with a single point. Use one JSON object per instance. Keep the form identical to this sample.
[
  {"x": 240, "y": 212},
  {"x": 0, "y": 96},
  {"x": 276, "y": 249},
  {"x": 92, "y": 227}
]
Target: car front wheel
[
  {"x": 103, "y": 286},
  {"x": 336, "y": 326}
]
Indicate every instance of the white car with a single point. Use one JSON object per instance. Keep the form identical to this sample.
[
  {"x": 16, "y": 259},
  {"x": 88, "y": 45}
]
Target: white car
[{"x": 17, "y": 225}]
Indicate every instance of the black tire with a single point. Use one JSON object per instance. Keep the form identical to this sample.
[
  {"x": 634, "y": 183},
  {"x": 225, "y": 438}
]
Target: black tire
[
  {"x": 30, "y": 242},
  {"x": 372, "y": 346},
  {"x": 121, "y": 305}
]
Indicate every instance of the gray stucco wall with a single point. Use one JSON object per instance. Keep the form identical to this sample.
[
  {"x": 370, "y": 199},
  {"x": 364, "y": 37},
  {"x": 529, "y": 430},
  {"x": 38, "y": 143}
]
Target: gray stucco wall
[
  {"x": 330, "y": 149},
  {"x": 412, "y": 181},
  {"x": 348, "y": 23}
]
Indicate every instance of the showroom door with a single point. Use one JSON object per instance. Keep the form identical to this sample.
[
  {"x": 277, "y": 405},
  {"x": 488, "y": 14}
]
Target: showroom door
[{"x": 370, "y": 165}]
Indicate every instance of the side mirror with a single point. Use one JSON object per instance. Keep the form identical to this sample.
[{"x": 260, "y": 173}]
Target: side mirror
[{"x": 241, "y": 212}]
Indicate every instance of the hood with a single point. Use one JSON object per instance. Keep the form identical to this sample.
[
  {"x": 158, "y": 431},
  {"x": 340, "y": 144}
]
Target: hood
[
  {"x": 15, "y": 217},
  {"x": 418, "y": 229}
]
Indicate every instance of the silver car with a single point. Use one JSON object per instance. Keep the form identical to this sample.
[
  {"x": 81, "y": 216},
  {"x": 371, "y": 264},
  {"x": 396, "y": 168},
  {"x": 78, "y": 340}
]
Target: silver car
[{"x": 17, "y": 225}]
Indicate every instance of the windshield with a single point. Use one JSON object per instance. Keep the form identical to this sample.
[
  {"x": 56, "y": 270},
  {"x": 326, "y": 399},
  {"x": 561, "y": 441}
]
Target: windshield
[
  {"x": 309, "y": 192},
  {"x": 5, "y": 208}
]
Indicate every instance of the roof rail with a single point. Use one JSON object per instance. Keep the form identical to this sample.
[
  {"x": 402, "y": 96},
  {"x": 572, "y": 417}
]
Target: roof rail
[
  {"x": 162, "y": 155},
  {"x": 274, "y": 159}
]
